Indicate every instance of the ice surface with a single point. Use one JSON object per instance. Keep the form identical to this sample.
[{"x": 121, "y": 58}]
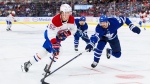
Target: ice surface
[{"x": 20, "y": 44}]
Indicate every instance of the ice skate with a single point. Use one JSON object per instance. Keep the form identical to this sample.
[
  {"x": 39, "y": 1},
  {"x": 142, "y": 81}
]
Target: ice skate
[
  {"x": 46, "y": 69},
  {"x": 94, "y": 64},
  {"x": 8, "y": 29},
  {"x": 27, "y": 65},
  {"x": 108, "y": 53},
  {"x": 76, "y": 49}
]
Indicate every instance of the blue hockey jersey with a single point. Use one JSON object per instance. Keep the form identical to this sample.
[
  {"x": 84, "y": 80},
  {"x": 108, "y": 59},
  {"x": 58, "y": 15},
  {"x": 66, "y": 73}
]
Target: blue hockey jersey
[
  {"x": 80, "y": 27},
  {"x": 111, "y": 31}
]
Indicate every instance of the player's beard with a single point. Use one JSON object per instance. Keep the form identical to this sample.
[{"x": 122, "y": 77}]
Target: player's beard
[
  {"x": 105, "y": 26},
  {"x": 82, "y": 23}
]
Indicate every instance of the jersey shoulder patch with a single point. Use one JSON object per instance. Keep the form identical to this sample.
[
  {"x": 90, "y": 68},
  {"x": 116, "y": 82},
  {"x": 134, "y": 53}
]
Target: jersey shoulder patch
[
  {"x": 71, "y": 19},
  {"x": 57, "y": 21}
]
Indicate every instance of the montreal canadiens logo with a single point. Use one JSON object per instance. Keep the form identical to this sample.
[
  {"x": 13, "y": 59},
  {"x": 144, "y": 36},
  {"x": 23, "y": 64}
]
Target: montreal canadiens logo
[{"x": 35, "y": 19}]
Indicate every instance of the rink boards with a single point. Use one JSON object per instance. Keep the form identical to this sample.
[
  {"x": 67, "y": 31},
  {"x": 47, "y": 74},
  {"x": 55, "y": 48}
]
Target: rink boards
[
  {"x": 47, "y": 20},
  {"x": 89, "y": 23}
]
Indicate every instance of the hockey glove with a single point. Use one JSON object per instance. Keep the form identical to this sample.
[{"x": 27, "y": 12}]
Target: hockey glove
[
  {"x": 56, "y": 48},
  {"x": 90, "y": 47},
  {"x": 62, "y": 35},
  {"x": 15, "y": 20},
  {"x": 78, "y": 34},
  {"x": 135, "y": 29},
  {"x": 84, "y": 34}
]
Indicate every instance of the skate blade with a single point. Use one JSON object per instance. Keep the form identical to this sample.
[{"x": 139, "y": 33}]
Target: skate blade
[
  {"x": 43, "y": 82},
  {"x": 22, "y": 68},
  {"x": 76, "y": 51}
]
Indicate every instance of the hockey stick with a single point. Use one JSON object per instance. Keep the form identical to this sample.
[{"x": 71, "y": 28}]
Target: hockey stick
[
  {"x": 47, "y": 73},
  {"x": 26, "y": 24},
  {"x": 84, "y": 37},
  {"x": 52, "y": 60},
  {"x": 42, "y": 80}
]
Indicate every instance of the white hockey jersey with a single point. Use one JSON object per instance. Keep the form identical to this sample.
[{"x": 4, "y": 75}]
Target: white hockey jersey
[
  {"x": 57, "y": 25},
  {"x": 143, "y": 16},
  {"x": 10, "y": 18}
]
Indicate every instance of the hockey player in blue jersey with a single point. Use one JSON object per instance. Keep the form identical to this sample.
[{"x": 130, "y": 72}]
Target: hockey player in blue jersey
[
  {"x": 106, "y": 31},
  {"x": 82, "y": 28}
]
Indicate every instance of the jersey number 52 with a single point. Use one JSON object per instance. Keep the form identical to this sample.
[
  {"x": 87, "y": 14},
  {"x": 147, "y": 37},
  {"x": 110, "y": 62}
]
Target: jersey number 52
[{"x": 51, "y": 26}]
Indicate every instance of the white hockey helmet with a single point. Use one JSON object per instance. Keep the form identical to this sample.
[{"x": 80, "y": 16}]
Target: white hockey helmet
[
  {"x": 65, "y": 8},
  {"x": 13, "y": 12}
]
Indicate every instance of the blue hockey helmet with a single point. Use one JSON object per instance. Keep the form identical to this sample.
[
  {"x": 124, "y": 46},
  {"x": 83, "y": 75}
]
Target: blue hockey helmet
[
  {"x": 103, "y": 18},
  {"x": 82, "y": 18}
]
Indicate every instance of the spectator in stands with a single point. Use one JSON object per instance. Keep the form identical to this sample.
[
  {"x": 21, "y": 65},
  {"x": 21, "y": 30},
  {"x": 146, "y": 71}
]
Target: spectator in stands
[{"x": 51, "y": 7}]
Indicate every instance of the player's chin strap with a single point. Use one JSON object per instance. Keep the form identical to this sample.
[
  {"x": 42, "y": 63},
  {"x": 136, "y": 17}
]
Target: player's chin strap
[{"x": 48, "y": 74}]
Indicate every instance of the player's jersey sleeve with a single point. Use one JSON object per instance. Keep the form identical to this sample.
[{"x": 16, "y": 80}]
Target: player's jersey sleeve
[
  {"x": 98, "y": 34},
  {"x": 123, "y": 20},
  {"x": 71, "y": 27},
  {"x": 85, "y": 28},
  {"x": 77, "y": 22},
  {"x": 10, "y": 18},
  {"x": 56, "y": 25}
]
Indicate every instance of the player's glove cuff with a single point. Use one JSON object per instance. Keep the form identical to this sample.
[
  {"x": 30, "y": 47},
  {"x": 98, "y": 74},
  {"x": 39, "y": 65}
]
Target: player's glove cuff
[
  {"x": 131, "y": 26},
  {"x": 135, "y": 29}
]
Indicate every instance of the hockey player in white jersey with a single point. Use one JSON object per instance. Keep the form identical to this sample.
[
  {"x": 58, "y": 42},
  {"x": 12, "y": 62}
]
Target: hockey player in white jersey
[
  {"x": 143, "y": 16},
  {"x": 61, "y": 26},
  {"x": 10, "y": 18}
]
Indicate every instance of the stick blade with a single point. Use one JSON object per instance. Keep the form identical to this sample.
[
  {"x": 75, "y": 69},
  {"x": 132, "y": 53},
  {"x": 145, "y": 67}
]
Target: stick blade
[{"x": 43, "y": 82}]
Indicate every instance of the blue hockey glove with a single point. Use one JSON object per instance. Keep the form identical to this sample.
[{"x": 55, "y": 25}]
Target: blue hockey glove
[
  {"x": 135, "y": 29},
  {"x": 81, "y": 33},
  {"x": 78, "y": 34},
  {"x": 90, "y": 47},
  {"x": 84, "y": 34}
]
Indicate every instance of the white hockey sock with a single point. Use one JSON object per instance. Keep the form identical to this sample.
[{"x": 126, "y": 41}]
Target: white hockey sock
[
  {"x": 56, "y": 57},
  {"x": 144, "y": 25},
  {"x": 38, "y": 56},
  {"x": 8, "y": 26}
]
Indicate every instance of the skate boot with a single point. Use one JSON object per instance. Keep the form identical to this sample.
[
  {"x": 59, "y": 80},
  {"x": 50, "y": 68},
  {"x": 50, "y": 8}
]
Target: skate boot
[
  {"x": 94, "y": 64},
  {"x": 8, "y": 29},
  {"x": 27, "y": 65},
  {"x": 76, "y": 49},
  {"x": 46, "y": 69},
  {"x": 108, "y": 53}
]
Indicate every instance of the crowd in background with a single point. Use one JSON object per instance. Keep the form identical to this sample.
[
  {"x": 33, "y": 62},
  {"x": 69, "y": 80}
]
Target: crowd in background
[{"x": 129, "y": 8}]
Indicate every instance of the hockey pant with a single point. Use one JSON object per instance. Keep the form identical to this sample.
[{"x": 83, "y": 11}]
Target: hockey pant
[
  {"x": 43, "y": 52},
  {"x": 114, "y": 44},
  {"x": 9, "y": 24},
  {"x": 84, "y": 38}
]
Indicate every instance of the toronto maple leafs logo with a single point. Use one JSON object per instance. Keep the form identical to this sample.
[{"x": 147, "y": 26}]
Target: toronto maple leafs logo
[{"x": 109, "y": 35}]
